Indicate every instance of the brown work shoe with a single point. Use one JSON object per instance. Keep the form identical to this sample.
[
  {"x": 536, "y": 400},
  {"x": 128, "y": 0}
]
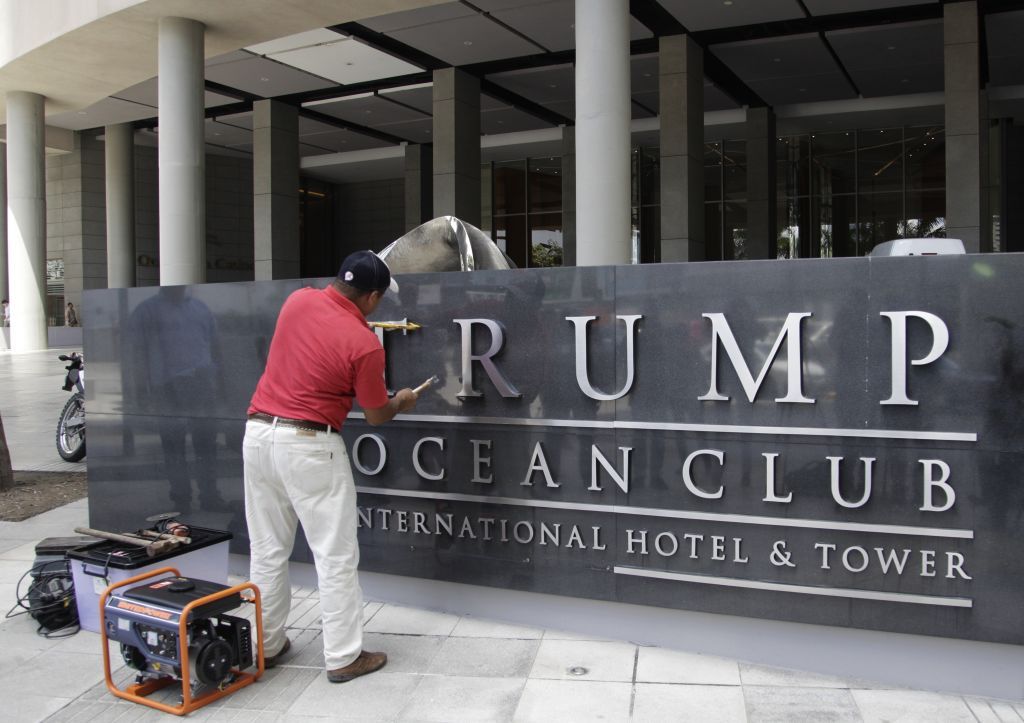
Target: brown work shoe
[
  {"x": 272, "y": 661},
  {"x": 365, "y": 663}
]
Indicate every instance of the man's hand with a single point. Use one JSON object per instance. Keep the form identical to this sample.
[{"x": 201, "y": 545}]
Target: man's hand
[
  {"x": 406, "y": 399},
  {"x": 403, "y": 401}
]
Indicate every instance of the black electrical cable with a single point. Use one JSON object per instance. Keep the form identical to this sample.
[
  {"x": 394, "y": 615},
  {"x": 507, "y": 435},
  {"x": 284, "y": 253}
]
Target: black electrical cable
[{"x": 56, "y": 613}]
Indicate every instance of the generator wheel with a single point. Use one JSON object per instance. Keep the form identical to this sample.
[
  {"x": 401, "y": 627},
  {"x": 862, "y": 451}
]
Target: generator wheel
[{"x": 133, "y": 657}]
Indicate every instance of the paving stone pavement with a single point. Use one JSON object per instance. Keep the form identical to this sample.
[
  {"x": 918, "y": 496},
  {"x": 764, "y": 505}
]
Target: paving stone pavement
[{"x": 441, "y": 667}]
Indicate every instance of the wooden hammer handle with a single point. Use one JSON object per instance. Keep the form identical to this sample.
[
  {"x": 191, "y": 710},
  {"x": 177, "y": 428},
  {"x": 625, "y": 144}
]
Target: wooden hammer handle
[{"x": 152, "y": 548}]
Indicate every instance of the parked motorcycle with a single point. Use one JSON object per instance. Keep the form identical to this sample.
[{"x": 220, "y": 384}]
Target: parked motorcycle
[{"x": 71, "y": 426}]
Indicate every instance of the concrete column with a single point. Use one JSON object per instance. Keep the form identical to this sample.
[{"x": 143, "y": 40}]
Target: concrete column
[
  {"x": 5, "y": 289},
  {"x": 120, "y": 198},
  {"x": 456, "y": 172},
  {"x": 76, "y": 188},
  {"x": 681, "y": 118},
  {"x": 963, "y": 123},
  {"x": 26, "y": 220},
  {"x": 419, "y": 187},
  {"x": 603, "y": 224},
  {"x": 275, "y": 133},
  {"x": 568, "y": 196},
  {"x": 761, "y": 207},
  {"x": 182, "y": 153}
]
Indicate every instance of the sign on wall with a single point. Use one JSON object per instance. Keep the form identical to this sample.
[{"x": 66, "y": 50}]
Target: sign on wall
[{"x": 825, "y": 442}]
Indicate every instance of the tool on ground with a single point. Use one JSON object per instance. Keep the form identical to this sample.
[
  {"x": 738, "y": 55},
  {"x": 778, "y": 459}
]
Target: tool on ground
[
  {"x": 426, "y": 385},
  {"x": 177, "y": 630},
  {"x": 153, "y": 547},
  {"x": 166, "y": 536}
]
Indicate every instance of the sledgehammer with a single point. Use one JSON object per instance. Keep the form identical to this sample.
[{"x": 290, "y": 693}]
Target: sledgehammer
[{"x": 152, "y": 548}]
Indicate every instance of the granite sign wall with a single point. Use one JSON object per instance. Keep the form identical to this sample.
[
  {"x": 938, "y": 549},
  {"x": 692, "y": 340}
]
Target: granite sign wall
[{"x": 826, "y": 442}]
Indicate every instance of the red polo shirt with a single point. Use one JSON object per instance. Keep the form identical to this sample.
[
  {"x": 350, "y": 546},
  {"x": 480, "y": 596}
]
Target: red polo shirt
[{"x": 322, "y": 356}]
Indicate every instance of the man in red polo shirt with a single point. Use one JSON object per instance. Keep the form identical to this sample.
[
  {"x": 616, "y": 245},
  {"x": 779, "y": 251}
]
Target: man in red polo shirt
[{"x": 322, "y": 357}]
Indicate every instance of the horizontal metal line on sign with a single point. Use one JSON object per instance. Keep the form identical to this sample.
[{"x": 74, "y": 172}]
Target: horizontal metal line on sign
[
  {"x": 901, "y": 597},
  {"x": 677, "y": 514},
  {"x": 684, "y": 427},
  {"x": 803, "y": 431}
]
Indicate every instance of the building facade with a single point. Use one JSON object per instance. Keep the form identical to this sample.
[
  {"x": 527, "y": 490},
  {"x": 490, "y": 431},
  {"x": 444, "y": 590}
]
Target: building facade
[{"x": 163, "y": 143}]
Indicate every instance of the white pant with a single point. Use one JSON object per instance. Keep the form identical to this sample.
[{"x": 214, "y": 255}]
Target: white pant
[{"x": 293, "y": 475}]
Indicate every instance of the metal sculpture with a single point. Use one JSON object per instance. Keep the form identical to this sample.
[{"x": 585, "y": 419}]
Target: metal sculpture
[{"x": 445, "y": 243}]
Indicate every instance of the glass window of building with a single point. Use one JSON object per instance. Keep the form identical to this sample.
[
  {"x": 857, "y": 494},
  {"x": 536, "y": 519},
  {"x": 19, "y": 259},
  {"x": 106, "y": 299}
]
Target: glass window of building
[
  {"x": 792, "y": 187},
  {"x": 880, "y": 161},
  {"x": 544, "y": 196},
  {"x": 712, "y": 172},
  {"x": 794, "y": 232},
  {"x": 725, "y": 199},
  {"x": 645, "y": 203},
  {"x": 509, "y": 187},
  {"x": 510, "y": 236},
  {"x": 833, "y": 167},
  {"x": 319, "y": 252},
  {"x": 840, "y": 194},
  {"x": 925, "y": 182},
  {"x": 509, "y": 208},
  {"x": 55, "y": 292},
  {"x": 527, "y": 210}
]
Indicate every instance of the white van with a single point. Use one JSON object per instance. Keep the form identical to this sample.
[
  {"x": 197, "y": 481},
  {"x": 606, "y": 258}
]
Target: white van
[{"x": 919, "y": 247}]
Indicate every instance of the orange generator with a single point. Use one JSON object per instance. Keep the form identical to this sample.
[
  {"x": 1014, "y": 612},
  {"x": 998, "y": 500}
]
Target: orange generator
[{"x": 177, "y": 630}]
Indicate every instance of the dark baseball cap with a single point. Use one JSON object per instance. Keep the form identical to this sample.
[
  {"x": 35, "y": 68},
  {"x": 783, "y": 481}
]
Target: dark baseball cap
[{"x": 366, "y": 271}]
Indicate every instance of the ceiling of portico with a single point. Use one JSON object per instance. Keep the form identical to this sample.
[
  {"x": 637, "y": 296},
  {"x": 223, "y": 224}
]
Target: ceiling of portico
[
  {"x": 103, "y": 55},
  {"x": 363, "y": 80}
]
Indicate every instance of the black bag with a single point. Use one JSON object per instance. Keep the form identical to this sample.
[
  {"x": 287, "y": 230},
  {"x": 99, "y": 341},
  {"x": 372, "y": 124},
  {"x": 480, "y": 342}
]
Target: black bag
[{"x": 51, "y": 596}]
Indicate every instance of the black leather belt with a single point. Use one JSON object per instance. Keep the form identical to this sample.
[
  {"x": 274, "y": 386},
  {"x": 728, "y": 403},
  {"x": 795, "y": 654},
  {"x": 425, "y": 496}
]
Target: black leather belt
[{"x": 294, "y": 423}]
